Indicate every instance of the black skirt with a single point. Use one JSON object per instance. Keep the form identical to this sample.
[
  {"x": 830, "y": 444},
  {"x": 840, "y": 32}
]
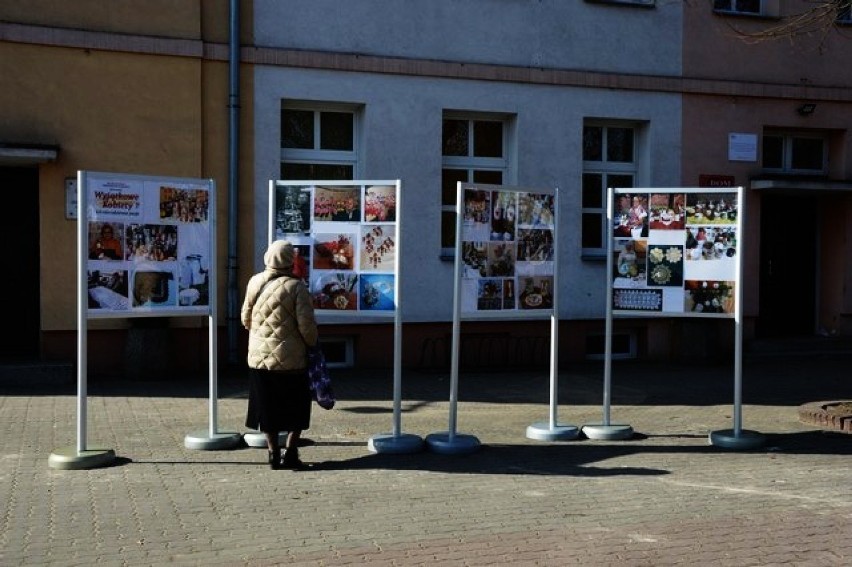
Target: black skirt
[{"x": 278, "y": 401}]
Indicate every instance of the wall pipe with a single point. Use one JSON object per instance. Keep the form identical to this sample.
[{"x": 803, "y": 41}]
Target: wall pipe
[{"x": 233, "y": 175}]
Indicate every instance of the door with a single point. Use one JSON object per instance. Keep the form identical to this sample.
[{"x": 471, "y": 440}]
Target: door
[
  {"x": 21, "y": 311},
  {"x": 788, "y": 265}
]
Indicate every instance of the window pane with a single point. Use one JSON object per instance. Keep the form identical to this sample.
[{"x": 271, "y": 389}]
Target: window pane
[
  {"x": 592, "y": 230},
  {"x": 448, "y": 229},
  {"x": 336, "y": 131},
  {"x": 807, "y": 154},
  {"x": 619, "y": 144},
  {"x": 593, "y": 190},
  {"x": 488, "y": 176},
  {"x": 297, "y": 129},
  {"x": 750, "y": 6},
  {"x": 331, "y": 172},
  {"x": 592, "y": 143},
  {"x": 773, "y": 152},
  {"x": 449, "y": 184},
  {"x": 620, "y": 181},
  {"x": 455, "y": 138},
  {"x": 487, "y": 139}
]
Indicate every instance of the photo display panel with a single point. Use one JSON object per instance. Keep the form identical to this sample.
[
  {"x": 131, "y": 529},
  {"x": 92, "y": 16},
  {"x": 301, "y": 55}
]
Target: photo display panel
[
  {"x": 675, "y": 251},
  {"x": 507, "y": 244},
  {"x": 148, "y": 245},
  {"x": 346, "y": 237}
]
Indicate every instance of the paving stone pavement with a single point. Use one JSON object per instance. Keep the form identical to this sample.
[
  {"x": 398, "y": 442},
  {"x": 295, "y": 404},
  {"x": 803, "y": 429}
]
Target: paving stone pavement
[{"x": 664, "y": 497}]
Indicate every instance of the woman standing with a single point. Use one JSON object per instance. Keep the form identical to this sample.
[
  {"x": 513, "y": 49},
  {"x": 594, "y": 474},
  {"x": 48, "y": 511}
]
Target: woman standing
[{"x": 279, "y": 316}]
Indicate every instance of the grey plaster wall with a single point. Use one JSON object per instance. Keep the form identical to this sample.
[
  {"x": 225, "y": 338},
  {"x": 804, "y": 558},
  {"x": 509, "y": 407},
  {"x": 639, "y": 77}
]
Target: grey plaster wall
[
  {"x": 566, "y": 34},
  {"x": 401, "y": 136},
  {"x": 402, "y": 140}
]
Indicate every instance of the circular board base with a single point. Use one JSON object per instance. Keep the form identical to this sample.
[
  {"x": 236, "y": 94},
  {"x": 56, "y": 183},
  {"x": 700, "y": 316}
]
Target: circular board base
[
  {"x": 204, "y": 441},
  {"x": 728, "y": 439},
  {"x": 258, "y": 439},
  {"x": 457, "y": 445},
  {"x": 395, "y": 444},
  {"x": 607, "y": 432},
  {"x": 68, "y": 458},
  {"x": 543, "y": 432}
]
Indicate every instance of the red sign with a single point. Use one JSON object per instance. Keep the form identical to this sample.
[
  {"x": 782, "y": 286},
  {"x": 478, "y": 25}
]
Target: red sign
[{"x": 715, "y": 180}]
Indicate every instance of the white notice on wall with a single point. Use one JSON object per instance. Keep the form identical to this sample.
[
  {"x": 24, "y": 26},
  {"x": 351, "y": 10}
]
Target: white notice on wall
[{"x": 742, "y": 147}]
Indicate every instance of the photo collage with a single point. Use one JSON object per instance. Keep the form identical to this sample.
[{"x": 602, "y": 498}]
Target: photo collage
[
  {"x": 675, "y": 251},
  {"x": 148, "y": 246},
  {"x": 346, "y": 241},
  {"x": 507, "y": 249}
]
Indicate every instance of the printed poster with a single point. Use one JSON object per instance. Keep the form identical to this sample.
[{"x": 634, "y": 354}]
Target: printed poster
[
  {"x": 346, "y": 235},
  {"x": 507, "y": 250},
  {"x": 675, "y": 251},
  {"x": 148, "y": 245}
]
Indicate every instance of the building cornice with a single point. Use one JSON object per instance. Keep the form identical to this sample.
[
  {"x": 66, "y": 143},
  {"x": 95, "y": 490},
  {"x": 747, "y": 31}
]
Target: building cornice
[{"x": 363, "y": 63}]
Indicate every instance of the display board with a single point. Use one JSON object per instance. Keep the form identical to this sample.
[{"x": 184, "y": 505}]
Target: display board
[
  {"x": 147, "y": 244},
  {"x": 675, "y": 251},
  {"x": 507, "y": 251},
  {"x": 347, "y": 240}
]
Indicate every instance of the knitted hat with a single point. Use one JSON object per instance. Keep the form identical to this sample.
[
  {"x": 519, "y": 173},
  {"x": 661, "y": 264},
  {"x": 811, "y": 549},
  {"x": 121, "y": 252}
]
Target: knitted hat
[{"x": 279, "y": 256}]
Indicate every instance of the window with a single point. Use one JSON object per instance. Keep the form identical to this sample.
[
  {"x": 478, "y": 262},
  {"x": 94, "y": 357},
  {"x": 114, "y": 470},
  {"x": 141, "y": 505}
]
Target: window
[
  {"x": 646, "y": 3},
  {"x": 799, "y": 153},
  {"x": 317, "y": 143},
  {"x": 609, "y": 160},
  {"x": 844, "y": 14},
  {"x": 738, "y": 6},
  {"x": 473, "y": 150}
]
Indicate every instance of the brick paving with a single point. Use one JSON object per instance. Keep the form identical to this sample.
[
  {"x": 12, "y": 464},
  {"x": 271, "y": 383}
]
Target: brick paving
[{"x": 664, "y": 497}]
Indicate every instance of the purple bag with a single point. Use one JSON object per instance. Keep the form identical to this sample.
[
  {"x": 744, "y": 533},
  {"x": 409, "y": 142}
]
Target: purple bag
[{"x": 321, "y": 390}]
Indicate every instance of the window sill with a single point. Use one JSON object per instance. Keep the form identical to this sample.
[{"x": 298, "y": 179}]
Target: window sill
[
  {"x": 730, "y": 14},
  {"x": 635, "y": 3},
  {"x": 589, "y": 257}
]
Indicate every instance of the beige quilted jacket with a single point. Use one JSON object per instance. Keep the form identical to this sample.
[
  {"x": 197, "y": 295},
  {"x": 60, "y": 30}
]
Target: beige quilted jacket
[{"x": 279, "y": 316}]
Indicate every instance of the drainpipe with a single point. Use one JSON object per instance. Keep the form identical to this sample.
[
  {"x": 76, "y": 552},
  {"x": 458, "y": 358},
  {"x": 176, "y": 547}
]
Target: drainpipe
[{"x": 233, "y": 176}]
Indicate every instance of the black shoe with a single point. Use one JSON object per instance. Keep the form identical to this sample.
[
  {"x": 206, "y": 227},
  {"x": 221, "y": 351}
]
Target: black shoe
[
  {"x": 275, "y": 459},
  {"x": 291, "y": 460}
]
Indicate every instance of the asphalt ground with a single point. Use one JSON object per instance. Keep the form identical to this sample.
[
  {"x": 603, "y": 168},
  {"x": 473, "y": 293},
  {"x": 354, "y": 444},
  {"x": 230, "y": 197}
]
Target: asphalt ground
[{"x": 665, "y": 496}]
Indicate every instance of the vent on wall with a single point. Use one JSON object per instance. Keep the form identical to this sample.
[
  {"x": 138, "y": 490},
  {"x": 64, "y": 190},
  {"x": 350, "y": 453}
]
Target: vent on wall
[
  {"x": 339, "y": 351},
  {"x": 623, "y": 346}
]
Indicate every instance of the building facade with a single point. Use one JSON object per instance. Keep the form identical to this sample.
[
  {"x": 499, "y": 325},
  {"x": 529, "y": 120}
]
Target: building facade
[{"x": 432, "y": 93}]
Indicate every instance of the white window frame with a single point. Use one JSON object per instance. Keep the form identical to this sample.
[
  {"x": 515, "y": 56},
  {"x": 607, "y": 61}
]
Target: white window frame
[
  {"x": 767, "y": 8},
  {"x": 317, "y": 155},
  {"x": 844, "y": 16},
  {"x": 787, "y": 152},
  {"x": 642, "y": 3},
  {"x": 472, "y": 163},
  {"x": 607, "y": 168}
]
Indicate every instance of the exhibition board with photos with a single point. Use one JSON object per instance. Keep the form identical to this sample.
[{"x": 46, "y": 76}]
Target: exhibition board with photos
[
  {"x": 345, "y": 237},
  {"x": 507, "y": 249},
  {"x": 148, "y": 245},
  {"x": 675, "y": 251}
]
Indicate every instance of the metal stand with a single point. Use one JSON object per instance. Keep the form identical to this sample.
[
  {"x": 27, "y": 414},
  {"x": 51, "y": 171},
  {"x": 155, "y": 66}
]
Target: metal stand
[
  {"x": 737, "y": 437},
  {"x": 395, "y": 444},
  {"x": 731, "y": 439},
  {"x": 447, "y": 443},
  {"x": 69, "y": 458},
  {"x": 211, "y": 442}
]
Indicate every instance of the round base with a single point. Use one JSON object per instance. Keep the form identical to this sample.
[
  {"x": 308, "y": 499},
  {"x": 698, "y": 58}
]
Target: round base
[
  {"x": 728, "y": 439},
  {"x": 389, "y": 443},
  {"x": 68, "y": 458},
  {"x": 258, "y": 439},
  {"x": 458, "y": 445},
  {"x": 543, "y": 432},
  {"x": 607, "y": 432},
  {"x": 203, "y": 440}
]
